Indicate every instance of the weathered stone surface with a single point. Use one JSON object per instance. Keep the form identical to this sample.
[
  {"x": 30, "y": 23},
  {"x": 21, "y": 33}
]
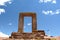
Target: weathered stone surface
[
  {"x": 27, "y": 39},
  {"x": 20, "y": 35},
  {"x": 35, "y": 33}
]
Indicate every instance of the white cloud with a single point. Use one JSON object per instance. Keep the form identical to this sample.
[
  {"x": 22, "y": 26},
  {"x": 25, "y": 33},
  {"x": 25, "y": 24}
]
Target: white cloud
[
  {"x": 50, "y": 12},
  {"x": 41, "y": 1},
  {"x": 3, "y": 2},
  {"x": 44, "y": 12},
  {"x": 10, "y": 24},
  {"x": 29, "y": 24},
  {"x": 46, "y": 1},
  {"x": 3, "y": 35},
  {"x": 54, "y": 1},
  {"x": 2, "y": 11},
  {"x": 58, "y": 11}
]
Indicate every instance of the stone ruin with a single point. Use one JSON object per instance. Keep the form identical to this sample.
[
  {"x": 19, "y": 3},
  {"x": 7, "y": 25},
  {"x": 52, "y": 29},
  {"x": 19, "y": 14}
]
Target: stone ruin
[{"x": 20, "y": 35}]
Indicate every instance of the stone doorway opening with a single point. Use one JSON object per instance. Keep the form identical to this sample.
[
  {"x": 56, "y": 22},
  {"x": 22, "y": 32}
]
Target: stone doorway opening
[{"x": 27, "y": 25}]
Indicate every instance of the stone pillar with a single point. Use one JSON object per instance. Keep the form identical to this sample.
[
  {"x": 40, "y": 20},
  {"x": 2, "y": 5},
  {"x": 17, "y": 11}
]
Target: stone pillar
[
  {"x": 34, "y": 23},
  {"x": 21, "y": 23}
]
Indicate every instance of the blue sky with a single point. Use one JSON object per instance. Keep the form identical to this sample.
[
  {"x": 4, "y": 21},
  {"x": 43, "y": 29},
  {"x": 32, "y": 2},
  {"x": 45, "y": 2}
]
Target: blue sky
[{"x": 48, "y": 15}]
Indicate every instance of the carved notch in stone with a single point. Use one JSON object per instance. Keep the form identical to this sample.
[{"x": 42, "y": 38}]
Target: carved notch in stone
[{"x": 21, "y": 21}]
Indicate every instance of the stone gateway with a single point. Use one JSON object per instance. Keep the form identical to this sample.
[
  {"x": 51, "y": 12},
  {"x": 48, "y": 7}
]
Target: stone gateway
[{"x": 20, "y": 35}]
